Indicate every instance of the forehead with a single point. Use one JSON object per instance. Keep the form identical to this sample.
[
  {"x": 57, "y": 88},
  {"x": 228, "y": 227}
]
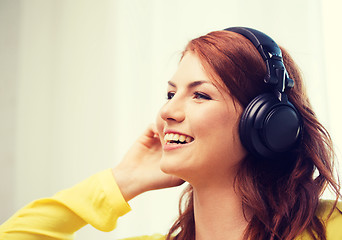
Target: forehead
[{"x": 190, "y": 69}]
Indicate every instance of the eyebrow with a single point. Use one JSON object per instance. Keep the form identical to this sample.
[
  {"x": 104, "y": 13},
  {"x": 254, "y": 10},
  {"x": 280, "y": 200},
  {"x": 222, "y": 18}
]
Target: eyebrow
[{"x": 192, "y": 84}]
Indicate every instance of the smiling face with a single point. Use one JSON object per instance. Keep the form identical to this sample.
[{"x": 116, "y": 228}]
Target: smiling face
[{"x": 198, "y": 127}]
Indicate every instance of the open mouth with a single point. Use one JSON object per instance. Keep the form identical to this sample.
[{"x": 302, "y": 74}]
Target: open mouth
[{"x": 175, "y": 138}]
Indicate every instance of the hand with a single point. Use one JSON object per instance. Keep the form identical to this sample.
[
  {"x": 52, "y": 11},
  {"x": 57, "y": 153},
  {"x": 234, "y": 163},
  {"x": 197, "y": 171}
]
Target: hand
[{"x": 139, "y": 170}]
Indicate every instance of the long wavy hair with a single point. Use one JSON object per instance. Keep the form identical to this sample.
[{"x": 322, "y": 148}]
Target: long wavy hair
[{"x": 282, "y": 196}]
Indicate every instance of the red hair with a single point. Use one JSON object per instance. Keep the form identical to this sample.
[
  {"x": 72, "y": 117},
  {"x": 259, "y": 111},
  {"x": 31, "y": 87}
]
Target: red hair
[{"x": 282, "y": 197}]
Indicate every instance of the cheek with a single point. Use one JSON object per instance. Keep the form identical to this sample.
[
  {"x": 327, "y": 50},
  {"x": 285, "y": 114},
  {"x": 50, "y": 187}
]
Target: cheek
[
  {"x": 218, "y": 133},
  {"x": 214, "y": 123}
]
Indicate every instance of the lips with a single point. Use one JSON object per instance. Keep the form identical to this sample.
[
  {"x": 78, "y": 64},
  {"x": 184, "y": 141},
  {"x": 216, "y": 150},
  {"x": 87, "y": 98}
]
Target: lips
[{"x": 176, "y": 138}]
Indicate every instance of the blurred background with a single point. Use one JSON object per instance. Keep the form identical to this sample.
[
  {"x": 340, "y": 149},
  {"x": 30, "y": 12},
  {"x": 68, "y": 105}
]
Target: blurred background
[{"x": 81, "y": 79}]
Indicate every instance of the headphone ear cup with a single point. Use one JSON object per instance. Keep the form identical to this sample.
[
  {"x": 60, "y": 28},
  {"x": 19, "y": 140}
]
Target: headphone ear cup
[
  {"x": 247, "y": 123},
  {"x": 269, "y": 127}
]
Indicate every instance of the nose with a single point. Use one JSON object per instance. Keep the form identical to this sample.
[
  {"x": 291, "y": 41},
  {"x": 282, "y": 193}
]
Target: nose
[{"x": 173, "y": 111}]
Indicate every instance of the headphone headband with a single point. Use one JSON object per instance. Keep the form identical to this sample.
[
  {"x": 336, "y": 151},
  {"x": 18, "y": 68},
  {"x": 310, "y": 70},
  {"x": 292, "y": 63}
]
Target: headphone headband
[{"x": 270, "y": 52}]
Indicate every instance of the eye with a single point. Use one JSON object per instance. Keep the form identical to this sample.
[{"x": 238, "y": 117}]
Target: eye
[
  {"x": 170, "y": 95},
  {"x": 200, "y": 95}
]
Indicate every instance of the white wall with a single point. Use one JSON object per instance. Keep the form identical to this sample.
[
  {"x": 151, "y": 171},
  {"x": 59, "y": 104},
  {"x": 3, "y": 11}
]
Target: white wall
[
  {"x": 81, "y": 79},
  {"x": 332, "y": 53},
  {"x": 9, "y": 16}
]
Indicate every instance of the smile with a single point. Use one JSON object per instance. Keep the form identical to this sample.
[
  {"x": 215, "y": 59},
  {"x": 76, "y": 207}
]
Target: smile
[{"x": 176, "y": 138}]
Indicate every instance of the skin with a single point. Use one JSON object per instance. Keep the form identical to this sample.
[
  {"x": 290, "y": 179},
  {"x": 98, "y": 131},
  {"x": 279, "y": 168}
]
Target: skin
[{"x": 196, "y": 107}]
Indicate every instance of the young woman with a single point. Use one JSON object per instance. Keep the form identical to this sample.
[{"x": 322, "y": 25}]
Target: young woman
[{"x": 244, "y": 181}]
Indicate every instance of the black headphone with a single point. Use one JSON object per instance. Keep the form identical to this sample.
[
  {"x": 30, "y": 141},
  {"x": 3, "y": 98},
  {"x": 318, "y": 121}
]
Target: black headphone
[{"x": 270, "y": 126}]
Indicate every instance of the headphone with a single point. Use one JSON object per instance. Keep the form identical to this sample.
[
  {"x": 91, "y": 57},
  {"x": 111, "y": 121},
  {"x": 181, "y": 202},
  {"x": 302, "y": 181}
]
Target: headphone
[{"x": 270, "y": 125}]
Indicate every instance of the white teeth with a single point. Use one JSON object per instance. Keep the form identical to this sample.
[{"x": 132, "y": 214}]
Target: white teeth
[
  {"x": 182, "y": 138},
  {"x": 177, "y": 137}
]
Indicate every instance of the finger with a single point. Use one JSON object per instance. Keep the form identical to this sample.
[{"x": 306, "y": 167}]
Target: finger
[
  {"x": 151, "y": 131},
  {"x": 150, "y": 138},
  {"x": 154, "y": 128}
]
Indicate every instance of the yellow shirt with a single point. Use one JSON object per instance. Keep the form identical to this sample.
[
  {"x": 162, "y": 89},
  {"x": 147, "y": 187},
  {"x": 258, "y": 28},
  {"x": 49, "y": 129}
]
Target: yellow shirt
[{"x": 98, "y": 201}]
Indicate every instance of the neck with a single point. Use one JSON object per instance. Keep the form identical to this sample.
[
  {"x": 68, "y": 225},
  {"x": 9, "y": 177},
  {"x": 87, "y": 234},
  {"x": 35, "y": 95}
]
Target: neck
[{"x": 218, "y": 213}]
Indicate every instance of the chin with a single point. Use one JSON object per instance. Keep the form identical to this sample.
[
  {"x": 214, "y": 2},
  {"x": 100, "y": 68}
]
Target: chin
[
  {"x": 179, "y": 168},
  {"x": 167, "y": 166},
  {"x": 172, "y": 166}
]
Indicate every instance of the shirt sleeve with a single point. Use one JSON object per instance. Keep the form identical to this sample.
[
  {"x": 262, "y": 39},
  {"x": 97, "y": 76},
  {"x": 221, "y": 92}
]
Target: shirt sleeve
[
  {"x": 332, "y": 220},
  {"x": 96, "y": 201},
  {"x": 334, "y": 224}
]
